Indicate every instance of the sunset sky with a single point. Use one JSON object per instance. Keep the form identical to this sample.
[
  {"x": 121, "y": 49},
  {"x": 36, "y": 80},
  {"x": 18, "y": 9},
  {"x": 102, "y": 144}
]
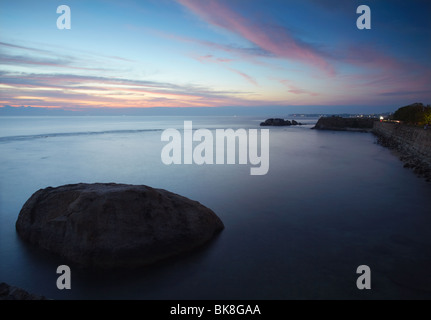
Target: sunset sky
[{"x": 214, "y": 53}]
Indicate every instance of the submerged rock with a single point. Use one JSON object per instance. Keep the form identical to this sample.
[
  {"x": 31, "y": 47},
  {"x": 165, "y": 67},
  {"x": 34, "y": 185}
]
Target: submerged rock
[{"x": 115, "y": 225}]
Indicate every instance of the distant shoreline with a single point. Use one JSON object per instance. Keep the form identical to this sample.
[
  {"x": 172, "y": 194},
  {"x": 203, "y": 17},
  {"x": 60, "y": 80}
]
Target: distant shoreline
[
  {"x": 412, "y": 145},
  {"x": 276, "y": 111}
]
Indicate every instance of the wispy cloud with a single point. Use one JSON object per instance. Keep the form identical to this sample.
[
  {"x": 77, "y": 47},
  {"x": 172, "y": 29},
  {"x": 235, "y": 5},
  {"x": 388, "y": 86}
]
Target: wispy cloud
[
  {"x": 276, "y": 40},
  {"x": 19, "y": 60},
  {"x": 245, "y": 76},
  {"x": 293, "y": 88},
  {"x": 51, "y": 79},
  {"x": 32, "y": 58},
  {"x": 117, "y": 92},
  {"x": 15, "y": 46},
  {"x": 224, "y": 62},
  {"x": 209, "y": 58},
  {"x": 384, "y": 74}
]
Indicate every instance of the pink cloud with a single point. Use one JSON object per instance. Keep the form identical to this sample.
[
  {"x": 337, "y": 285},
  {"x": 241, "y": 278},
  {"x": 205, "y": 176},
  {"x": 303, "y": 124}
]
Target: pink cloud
[
  {"x": 292, "y": 88},
  {"x": 384, "y": 74},
  {"x": 223, "y": 61},
  {"x": 371, "y": 58},
  {"x": 211, "y": 59},
  {"x": 249, "y": 54},
  {"x": 277, "y": 41},
  {"x": 245, "y": 76}
]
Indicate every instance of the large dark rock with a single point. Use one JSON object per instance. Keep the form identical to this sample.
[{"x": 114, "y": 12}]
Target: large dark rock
[
  {"x": 8, "y": 292},
  {"x": 115, "y": 225}
]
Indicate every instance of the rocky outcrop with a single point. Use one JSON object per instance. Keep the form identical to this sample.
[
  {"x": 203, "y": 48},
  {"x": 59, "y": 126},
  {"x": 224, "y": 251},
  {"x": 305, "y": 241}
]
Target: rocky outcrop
[
  {"x": 8, "y": 292},
  {"x": 413, "y": 145},
  {"x": 277, "y": 122},
  {"x": 115, "y": 225},
  {"x": 345, "y": 124}
]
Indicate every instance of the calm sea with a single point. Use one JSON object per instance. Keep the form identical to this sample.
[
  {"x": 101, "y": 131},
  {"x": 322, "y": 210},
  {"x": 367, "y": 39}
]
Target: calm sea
[{"x": 331, "y": 201}]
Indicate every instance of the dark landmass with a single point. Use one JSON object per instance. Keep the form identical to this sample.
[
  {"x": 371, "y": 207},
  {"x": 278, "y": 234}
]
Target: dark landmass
[
  {"x": 277, "y": 122},
  {"x": 8, "y": 292},
  {"x": 345, "y": 124},
  {"x": 115, "y": 225}
]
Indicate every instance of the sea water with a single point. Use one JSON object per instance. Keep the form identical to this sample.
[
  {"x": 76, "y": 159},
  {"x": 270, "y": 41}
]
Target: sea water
[{"x": 330, "y": 202}]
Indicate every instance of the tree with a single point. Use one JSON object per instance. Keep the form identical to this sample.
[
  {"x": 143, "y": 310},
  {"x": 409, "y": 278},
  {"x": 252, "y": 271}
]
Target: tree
[
  {"x": 414, "y": 113},
  {"x": 427, "y": 116}
]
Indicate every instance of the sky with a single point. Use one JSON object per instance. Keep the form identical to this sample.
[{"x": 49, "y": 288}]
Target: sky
[{"x": 214, "y": 53}]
